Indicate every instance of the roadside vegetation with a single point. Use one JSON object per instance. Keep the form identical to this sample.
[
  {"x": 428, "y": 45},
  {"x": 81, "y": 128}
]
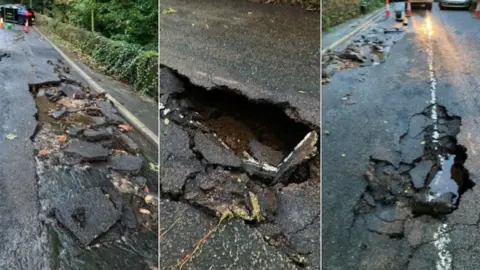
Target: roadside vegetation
[
  {"x": 335, "y": 12},
  {"x": 117, "y": 37}
]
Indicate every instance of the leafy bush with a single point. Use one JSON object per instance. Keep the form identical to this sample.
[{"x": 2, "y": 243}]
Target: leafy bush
[
  {"x": 132, "y": 21},
  {"x": 335, "y": 12},
  {"x": 124, "y": 61}
]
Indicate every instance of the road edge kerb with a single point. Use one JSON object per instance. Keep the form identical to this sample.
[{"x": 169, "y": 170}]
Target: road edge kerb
[
  {"x": 124, "y": 112},
  {"x": 354, "y": 32}
]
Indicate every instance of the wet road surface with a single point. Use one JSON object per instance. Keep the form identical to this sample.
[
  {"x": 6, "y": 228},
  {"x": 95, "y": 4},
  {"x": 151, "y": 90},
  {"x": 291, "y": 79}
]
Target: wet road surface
[
  {"x": 42, "y": 193},
  {"x": 432, "y": 72}
]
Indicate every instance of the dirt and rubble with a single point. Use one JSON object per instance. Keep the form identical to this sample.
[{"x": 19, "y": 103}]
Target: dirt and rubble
[
  {"x": 248, "y": 171},
  {"x": 369, "y": 48},
  {"x": 97, "y": 191}
]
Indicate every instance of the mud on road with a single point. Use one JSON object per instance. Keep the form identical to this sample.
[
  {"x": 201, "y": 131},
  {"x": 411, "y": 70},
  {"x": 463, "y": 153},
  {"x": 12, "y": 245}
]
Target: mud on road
[
  {"x": 239, "y": 178},
  {"x": 97, "y": 183}
]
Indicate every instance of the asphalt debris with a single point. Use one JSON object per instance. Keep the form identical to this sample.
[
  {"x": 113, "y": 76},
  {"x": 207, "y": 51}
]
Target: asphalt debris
[
  {"x": 92, "y": 177},
  {"x": 368, "y": 49},
  {"x": 226, "y": 155}
]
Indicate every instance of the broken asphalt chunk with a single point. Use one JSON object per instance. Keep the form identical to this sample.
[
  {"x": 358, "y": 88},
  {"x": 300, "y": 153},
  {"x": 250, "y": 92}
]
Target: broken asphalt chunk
[
  {"x": 56, "y": 114},
  {"x": 420, "y": 172},
  {"x": 305, "y": 150},
  {"x": 70, "y": 90},
  {"x": 98, "y": 121},
  {"x": 265, "y": 153},
  {"x": 109, "y": 111},
  {"x": 425, "y": 203},
  {"x": 96, "y": 135},
  {"x": 86, "y": 214},
  {"x": 169, "y": 82},
  {"x": 129, "y": 144},
  {"x": 175, "y": 173},
  {"x": 87, "y": 151},
  {"x": 214, "y": 152},
  {"x": 74, "y": 130},
  {"x": 127, "y": 163},
  {"x": 175, "y": 143}
]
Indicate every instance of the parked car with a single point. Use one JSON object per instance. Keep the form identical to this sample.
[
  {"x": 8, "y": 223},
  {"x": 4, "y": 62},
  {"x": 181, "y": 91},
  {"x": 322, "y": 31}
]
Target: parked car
[
  {"x": 455, "y": 4},
  {"x": 428, "y": 3},
  {"x": 17, "y": 13}
]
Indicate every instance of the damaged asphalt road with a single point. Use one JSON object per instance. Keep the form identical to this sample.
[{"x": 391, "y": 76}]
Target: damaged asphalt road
[
  {"x": 266, "y": 52},
  {"x": 240, "y": 114},
  {"x": 225, "y": 157},
  {"x": 73, "y": 186},
  {"x": 386, "y": 202}
]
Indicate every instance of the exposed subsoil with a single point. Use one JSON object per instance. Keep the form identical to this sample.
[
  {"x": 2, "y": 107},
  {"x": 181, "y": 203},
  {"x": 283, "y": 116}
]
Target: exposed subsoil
[
  {"x": 371, "y": 48},
  {"x": 429, "y": 180},
  {"x": 90, "y": 172},
  {"x": 230, "y": 156}
]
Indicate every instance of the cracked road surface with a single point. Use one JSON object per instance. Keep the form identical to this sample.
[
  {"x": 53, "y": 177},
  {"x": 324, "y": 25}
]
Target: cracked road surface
[
  {"x": 433, "y": 66},
  {"x": 57, "y": 213},
  {"x": 239, "y": 105}
]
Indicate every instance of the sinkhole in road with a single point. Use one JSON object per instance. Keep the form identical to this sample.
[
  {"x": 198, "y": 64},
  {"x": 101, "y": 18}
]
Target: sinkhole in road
[
  {"x": 226, "y": 153},
  {"x": 432, "y": 177},
  {"x": 241, "y": 123}
]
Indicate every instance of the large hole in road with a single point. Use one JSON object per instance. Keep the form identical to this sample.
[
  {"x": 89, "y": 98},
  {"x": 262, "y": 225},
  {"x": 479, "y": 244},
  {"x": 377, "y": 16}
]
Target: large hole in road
[
  {"x": 227, "y": 154},
  {"x": 241, "y": 123},
  {"x": 238, "y": 121},
  {"x": 432, "y": 178}
]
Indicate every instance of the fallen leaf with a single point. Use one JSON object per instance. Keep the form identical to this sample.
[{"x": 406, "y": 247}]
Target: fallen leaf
[
  {"x": 117, "y": 152},
  {"x": 11, "y": 136},
  {"x": 43, "y": 152},
  {"x": 149, "y": 199},
  {"x": 256, "y": 214},
  {"x": 301, "y": 92},
  {"x": 241, "y": 213},
  {"x": 166, "y": 121},
  {"x": 125, "y": 127},
  {"x": 144, "y": 211},
  {"x": 249, "y": 13},
  {"x": 154, "y": 167},
  {"x": 206, "y": 25},
  {"x": 107, "y": 195},
  {"x": 71, "y": 103},
  {"x": 169, "y": 11},
  {"x": 62, "y": 138}
]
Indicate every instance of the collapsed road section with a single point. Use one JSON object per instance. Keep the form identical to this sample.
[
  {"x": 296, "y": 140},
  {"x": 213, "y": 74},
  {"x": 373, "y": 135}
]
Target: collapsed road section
[
  {"x": 97, "y": 188},
  {"x": 429, "y": 180},
  {"x": 224, "y": 156},
  {"x": 368, "y": 49}
]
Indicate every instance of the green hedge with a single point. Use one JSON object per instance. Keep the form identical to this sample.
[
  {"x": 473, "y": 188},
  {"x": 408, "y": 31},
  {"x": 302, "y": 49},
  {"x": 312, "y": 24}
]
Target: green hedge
[
  {"x": 123, "y": 61},
  {"x": 335, "y": 12}
]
